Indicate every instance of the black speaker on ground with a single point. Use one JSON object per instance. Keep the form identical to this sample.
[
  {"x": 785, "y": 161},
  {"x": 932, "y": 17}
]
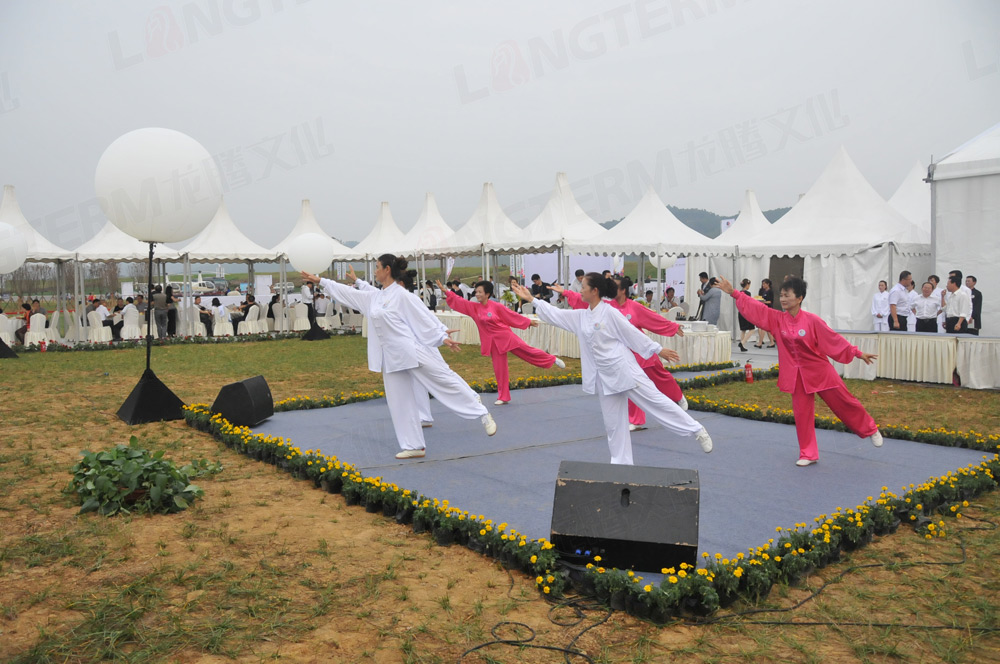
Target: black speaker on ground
[
  {"x": 6, "y": 352},
  {"x": 634, "y": 517},
  {"x": 246, "y": 403}
]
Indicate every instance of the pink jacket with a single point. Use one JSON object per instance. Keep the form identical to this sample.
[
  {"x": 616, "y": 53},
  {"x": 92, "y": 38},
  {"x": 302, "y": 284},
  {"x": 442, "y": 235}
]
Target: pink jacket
[
  {"x": 494, "y": 322},
  {"x": 574, "y": 300},
  {"x": 804, "y": 342},
  {"x": 646, "y": 319}
]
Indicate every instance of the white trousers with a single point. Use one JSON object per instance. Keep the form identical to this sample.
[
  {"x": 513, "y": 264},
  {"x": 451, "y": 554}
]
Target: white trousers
[
  {"x": 423, "y": 399},
  {"x": 614, "y": 408},
  {"x": 406, "y": 389},
  {"x": 881, "y": 324}
]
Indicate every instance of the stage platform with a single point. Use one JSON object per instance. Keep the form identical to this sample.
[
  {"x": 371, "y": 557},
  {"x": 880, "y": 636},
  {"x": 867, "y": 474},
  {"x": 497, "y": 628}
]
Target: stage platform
[{"x": 749, "y": 483}]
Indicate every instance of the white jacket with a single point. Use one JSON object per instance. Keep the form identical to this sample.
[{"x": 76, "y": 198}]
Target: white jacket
[
  {"x": 397, "y": 323},
  {"x": 606, "y": 342}
]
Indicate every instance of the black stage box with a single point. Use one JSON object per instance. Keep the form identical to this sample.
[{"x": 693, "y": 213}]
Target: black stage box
[
  {"x": 246, "y": 403},
  {"x": 634, "y": 517}
]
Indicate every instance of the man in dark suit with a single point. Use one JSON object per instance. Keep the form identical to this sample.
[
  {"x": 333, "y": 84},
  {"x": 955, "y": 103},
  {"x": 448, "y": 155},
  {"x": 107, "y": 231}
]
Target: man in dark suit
[
  {"x": 539, "y": 288},
  {"x": 977, "y": 304}
]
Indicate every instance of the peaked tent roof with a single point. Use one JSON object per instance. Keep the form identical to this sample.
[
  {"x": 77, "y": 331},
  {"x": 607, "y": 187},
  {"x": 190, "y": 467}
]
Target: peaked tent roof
[
  {"x": 652, "y": 229},
  {"x": 431, "y": 235},
  {"x": 979, "y": 156},
  {"x": 562, "y": 221},
  {"x": 488, "y": 226},
  {"x": 913, "y": 198},
  {"x": 307, "y": 224},
  {"x": 222, "y": 241},
  {"x": 39, "y": 248},
  {"x": 841, "y": 214},
  {"x": 749, "y": 222},
  {"x": 385, "y": 237},
  {"x": 113, "y": 244}
]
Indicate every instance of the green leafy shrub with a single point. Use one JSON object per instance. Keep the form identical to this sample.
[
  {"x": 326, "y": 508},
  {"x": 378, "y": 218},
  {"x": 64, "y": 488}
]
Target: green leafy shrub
[{"x": 127, "y": 478}]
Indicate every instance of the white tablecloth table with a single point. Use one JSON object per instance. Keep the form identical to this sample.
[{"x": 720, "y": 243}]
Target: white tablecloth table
[
  {"x": 978, "y": 362},
  {"x": 867, "y": 342}
]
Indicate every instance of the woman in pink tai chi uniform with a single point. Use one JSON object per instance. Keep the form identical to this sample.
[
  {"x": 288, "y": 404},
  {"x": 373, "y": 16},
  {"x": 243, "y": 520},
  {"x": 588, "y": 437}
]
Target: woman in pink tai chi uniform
[
  {"x": 495, "y": 336},
  {"x": 805, "y": 342}
]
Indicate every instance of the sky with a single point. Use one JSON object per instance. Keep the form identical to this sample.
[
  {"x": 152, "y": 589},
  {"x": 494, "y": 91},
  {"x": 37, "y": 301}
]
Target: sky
[{"x": 349, "y": 104}]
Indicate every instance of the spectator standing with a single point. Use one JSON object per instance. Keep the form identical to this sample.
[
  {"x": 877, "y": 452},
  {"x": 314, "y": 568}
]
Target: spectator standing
[
  {"x": 899, "y": 301},
  {"x": 977, "y": 303},
  {"x": 958, "y": 309},
  {"x": 880, "y": 307}
]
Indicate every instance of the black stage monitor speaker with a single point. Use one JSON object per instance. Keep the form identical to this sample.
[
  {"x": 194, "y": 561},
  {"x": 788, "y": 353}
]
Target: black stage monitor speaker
[
  {"x": 632, "y": 516},
  {"x": 246, "y": 403}
]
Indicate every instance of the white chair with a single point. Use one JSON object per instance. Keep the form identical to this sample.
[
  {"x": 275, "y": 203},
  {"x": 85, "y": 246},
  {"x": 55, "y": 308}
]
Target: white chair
[
  {"x": 98, "y": 333},
  {"x": 36, "y": 331},
  {"x": 672, "y": 313},
  {"x": 130, "y": 325},
  {"x": 6, "y": 330},
  {"x": 331, "y": 320},
  {"x": 301, "y": 322},
  {"x": 527, "y": 308},
  {"x": 277, "y": 324},
  {"x": 249, "y": 324},
  {"x": 221, "y": 327},
  {"x": 52, "y": 329}
]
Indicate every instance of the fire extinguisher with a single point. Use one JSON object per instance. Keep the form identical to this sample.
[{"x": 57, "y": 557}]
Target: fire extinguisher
[
  {"x": 748, "y": 372},
  {"x": 41, "y": 347}
]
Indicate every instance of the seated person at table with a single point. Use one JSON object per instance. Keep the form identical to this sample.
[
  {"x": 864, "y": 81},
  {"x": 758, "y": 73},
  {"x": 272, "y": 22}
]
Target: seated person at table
[
  {"x": 119, "y": 306},
  {"x": 140, "y": 303},
  {"x": 36, "y": 308},
  {"x": 25, "y": 316},
  {"x": 321, "y": 304},
  {"x": 669, "y": 301},
  {"x": 244, "y": 309},
  {"x": 106, "y": 320},
  {"x": 204, "y": 314}
]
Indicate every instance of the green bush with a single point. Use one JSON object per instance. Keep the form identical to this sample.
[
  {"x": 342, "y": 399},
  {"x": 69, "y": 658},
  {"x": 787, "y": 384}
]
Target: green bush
[{"x": 127, "y": 478}]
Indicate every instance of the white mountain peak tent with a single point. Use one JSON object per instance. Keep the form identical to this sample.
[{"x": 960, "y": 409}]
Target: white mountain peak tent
[
  {"x": 749, "y": 222},
  {"x": 488, "y": 227},
  {"x": 562, "y": 221},
  {"x": 223, "y": 242},
  {"x": 39, "y": 248},
  {"x": 913, "y": 198},
  {"x": 650, "y": 228},
  {"x": 307, "y": 223},
  {"x": 431, "y": 235},
  {"x": 384, "y": 238},
  {"x": 113, "y": 244},
  {"x": 965, "y": 195},
  {"x": 849, "y": 238}
]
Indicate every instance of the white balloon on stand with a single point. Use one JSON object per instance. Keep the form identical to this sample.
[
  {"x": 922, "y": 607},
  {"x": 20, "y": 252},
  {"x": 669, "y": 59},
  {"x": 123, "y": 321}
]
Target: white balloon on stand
[
  {"x": 311, "y": 252},
  {"x": 663, "y": 262},
  {"x": 13, "y": 248},
  {"x": 158, "y": 185}
]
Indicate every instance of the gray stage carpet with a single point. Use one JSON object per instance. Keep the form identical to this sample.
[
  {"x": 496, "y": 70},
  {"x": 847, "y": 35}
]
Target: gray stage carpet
[{"x": 749, "y": 483}]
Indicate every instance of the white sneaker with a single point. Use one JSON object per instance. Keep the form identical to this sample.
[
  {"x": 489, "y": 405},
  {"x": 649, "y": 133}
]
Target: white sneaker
[
  {"x": 876, "y": 438},
  {"x": 636, "y": 427},
  {"x": 805, "y": 462},
  {"x": 427, "y": 425},
  {"x": 559, "y": 363},
  {"x": 704, "y": 440},
  {"x": 410, "y": 454},
  {"x": 683, "y": 403},
  {"x": 489, "y": 424},
  {"x": 500, "y": 402}
]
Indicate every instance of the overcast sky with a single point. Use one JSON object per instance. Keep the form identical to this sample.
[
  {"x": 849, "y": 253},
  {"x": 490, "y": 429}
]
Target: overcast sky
[{"x": 350, "y": 104}]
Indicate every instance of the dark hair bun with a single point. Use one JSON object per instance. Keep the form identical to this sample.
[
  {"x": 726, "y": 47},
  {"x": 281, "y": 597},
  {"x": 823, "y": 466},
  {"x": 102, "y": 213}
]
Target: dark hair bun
[{"x": 400, "y": 264}]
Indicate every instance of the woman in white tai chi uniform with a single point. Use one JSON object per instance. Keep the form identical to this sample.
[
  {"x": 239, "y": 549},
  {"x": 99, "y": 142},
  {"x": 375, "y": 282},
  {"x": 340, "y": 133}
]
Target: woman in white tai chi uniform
[
  {"x": 609, "y": 368},
  {"x": 402, "y": 344}
]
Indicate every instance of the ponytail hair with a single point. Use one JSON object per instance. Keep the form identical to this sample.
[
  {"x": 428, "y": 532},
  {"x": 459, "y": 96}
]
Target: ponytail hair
[
  {"x": 624, "y": 283},
  {"x": 396, "y": 264},
  {"x": 605, "y": 286}
]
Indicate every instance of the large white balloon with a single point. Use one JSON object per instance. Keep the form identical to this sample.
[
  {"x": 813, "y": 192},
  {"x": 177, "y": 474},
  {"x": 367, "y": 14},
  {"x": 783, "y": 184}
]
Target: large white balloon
[
  {"x": 311, "y": 252},
  {"x": 663, "y": 262},
  {"x": 13, "y": 248},
  {"x": 158, "y": 185}
]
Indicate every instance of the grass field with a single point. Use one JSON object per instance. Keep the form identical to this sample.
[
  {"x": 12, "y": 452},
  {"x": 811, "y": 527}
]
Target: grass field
[{"x": 267, "y": 568}]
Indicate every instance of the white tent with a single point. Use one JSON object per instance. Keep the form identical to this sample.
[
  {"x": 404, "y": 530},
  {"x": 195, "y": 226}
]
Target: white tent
[
  {"x": 650, "y": 228},
  {"x": 488, "y": 226},
  {"x": 849, "y": 238},
  {"x": 223, "y": 242},
  {"x": 431, "y": 235},
  {"x": 307, "y": 224},
  {"x": 965, "y": 195},
  {"x": 561, "y": 222},
  {"x": 913, "y": 198},
  {"x": 113, "y": 244},
  {"x": 384, "y": 238},
  {"x": 39, "y": 248}
]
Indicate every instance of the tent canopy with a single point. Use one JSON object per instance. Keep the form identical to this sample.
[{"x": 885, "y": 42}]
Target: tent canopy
[
  {"x": 840, "y": 215},
  {"x": 913, "y": 198},
  {"x": 652, "y": 229},
  {"x": 385, "y": 237},
  {"x": 113, "y": 244},
  {"x": 431, "y": 235},
  {"x": 307, "y": 224},
  {"x": 39, "y": 248},
  {"x": 487, "y": 229},
  {"x": 980, "y": 156},
  {"x": 223, "y": 242},
  {"x": 749, "y": 223},
  {"x": 562, "y": 221}
]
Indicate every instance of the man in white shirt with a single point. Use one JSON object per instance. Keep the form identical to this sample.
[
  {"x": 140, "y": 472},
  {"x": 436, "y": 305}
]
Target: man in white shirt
[
  {"x": 958, "y": 310},
  {"x": 938, "y": 295},
  {"x": 926, "y": 308},
  {"x": 912, "y": 295},
  {"x": 899, "y": 302},
  {"x": 321, "y": 304},
  {"x": 106, "y": 320},
  {"x": 577, "y": 282}
]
